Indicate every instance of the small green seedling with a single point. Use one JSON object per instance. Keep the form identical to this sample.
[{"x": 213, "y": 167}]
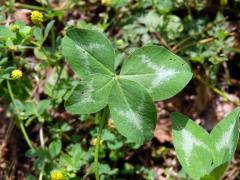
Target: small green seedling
[
  {"x": 149, "y": 74},
  {"x": 202, "y": 155}
]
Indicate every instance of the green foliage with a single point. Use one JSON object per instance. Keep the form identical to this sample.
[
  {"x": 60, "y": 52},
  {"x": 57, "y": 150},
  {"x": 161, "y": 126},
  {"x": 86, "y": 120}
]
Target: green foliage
[
  {"x": 94, "y": 53},
  {"x": 132, "y": 110},
  {"x": 161, "y": 72},
  {"x": 91, "y": 56},
  {"x": 204, "y": 155},
  {"x": 55, "y": 148},
  {"x": 204, "y": 33}
]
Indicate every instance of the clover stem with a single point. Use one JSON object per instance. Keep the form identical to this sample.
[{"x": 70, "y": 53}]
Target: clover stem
[
  {"x": 215, "y": 90},
  {"x": 102, "y": 119},
  {"x": 25, "y": 134},
  {"x": 53, "y": 37},
  {"x": 20, "y": 122}
]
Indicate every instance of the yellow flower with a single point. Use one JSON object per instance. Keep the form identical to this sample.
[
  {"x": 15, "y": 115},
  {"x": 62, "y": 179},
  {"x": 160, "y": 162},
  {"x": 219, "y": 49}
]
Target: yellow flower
[
  {"x": 106, "y": 2},
  {"x": 37, "y": 18},
  {"x": 16, "y": 74},
  {"x": 94, "y": 142},
  {"x": 57, "y": 175}
]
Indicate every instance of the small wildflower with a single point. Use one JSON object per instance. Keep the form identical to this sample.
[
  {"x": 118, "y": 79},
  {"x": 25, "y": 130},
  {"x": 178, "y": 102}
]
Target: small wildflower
[
  {"x": 37, "y": 18},
  {"x": 16, "y": 74},
  {"x": 15, "y": 28},
  {"x": 94, "y": 142},
  {"x": 57, "y": 175},
  {"x": 106, "y": 2}
]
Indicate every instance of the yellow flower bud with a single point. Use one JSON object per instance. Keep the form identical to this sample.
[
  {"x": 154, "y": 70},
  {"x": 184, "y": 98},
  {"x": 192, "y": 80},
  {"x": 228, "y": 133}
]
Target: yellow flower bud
[
  {"x": 13, "y": 48},
  {"x": 106, "y": 2},
  {"x": 57, "y": 175},
  {"x": 37, "y": 18},
  {"x": 15, "y": 28},
  {"x": 16, "y": 74},
  {"x": 120, "y": 42},
  {"x": 94, "y": 142}
]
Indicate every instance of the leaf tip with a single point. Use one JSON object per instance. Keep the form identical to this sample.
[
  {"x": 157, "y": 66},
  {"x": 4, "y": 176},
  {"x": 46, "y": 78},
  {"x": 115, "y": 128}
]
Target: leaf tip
[{"x": 179, "y": 120}]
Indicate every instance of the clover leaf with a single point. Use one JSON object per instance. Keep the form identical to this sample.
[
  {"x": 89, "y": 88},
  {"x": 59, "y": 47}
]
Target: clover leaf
[
  {"x": 203, "y": 155},
  {"x": 149, "y": 74}
]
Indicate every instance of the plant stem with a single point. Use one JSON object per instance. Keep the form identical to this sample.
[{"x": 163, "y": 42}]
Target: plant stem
[
  {"x": 42, "y": 145},
  {"x": 20, "y": 122},
  {"x": 53, "y": 37},
  {"x": 216, "y": 90},
  {"x": 32, "y": 7},
  {"x": 25, "y": 134},
  {"x": 41, "y": 172},
  {"x": 41, "y": 136},
  {"x": 11, "y": 93},
  {"x": 102, "y": 120}
]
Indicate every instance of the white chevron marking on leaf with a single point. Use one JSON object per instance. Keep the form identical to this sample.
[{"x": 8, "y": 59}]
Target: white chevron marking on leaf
[
  {"x": 95, "y": 46},
  {"x": 188, "y": 143},
  {"x": 87, "y": 95},
  {"x": 133, "y": 116},
  {"x": 161, "y": 74},
  {"x": 225, "y": 141},
  {"x": 85, "y": 58}
]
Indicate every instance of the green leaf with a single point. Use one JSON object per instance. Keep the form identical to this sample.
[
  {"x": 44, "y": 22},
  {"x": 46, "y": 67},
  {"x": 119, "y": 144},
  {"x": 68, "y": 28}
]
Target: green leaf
[
  {"x": 209, "y": 154},
  {"x": 106, "y": 169},
  {"x": 40, "y": 54},
  {"x": 88, "y": 52},
  {"x": 30, "y": 177},
  {"x": 216, "y": 172},
  {"x": 161, "y": 72},
  {"x": 91, "y": 95},
  {"x": 7, "y": 72},
  {"x": 152, "y": 20},
  {"x": 192, "y": 145},
  {"x": 163, "y": 6},
  {"x": 37, "y": 32},
  {"x": 43, "y": 106},
  {"x": 91, "y": 56},
  {"x": 55, "y": 148},
  {"x": 225, "y": 138},
  {"x": 48, "y": 28},
  {"x": 132, "y": 111},
  {"x": 5, "y": 33},
  {"x": 66, "y": 160}
]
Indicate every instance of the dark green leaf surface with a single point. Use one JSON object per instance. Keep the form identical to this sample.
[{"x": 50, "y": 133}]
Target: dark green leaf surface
[
  {"x": 216, "y": 173},
  {"x": 151, "y": 69},
  {"x": 88, "y": 52},
  {"x": 91, "y": 95},
  {"x": 48, "y": 28},
  {"x": 55, "y": 148},
  {"x": 132, "y": 110},
  {"x": 225, "y": 138},
  {"x": 161, "y": 72},
  {"x": 5, "y": 33},
  {"x": 192, "y": 145},
  {"x": 205, "y": 156}
]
